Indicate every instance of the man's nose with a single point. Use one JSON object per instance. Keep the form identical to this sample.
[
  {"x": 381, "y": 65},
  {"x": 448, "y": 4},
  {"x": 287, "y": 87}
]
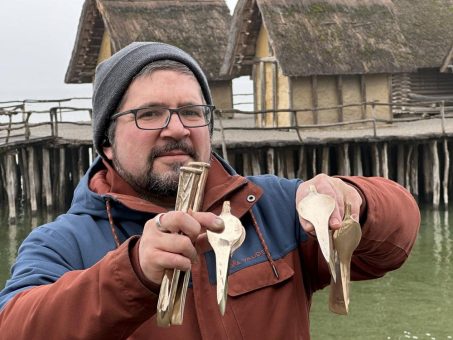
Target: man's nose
[{"x": 175, "y": 128}]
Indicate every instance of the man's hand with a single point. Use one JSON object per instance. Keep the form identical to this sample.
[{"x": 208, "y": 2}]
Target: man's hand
[
  {"x": 171, "y": 245},
  {"x": 336, "y": 188}
]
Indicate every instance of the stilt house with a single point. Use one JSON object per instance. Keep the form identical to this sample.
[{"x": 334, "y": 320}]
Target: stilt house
[
  {"x": 198, "y": 26},
  {"x": 314, "y": 54}
]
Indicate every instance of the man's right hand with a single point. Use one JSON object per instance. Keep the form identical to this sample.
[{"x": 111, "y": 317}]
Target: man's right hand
[{"x": 171, "y": 246}]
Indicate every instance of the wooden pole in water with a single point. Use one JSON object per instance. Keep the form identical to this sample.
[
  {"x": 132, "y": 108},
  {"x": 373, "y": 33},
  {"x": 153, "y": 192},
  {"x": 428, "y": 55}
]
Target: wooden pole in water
[
  {"x": 62, "y": 179},
  {"x": 358, "y": 169},
  {"x": 11, "y": 181},
  {"x": 270, "y": 161},
  {"x": 385, "y": 162},
  {"x": 345, "y": 156},
  {"x": 289, "y": 164},
  {"x": 435, "y": 174},
  {"x": 246, "y": 168},
  {"x": 325, "y": 160},
  {"x": 23, "y": 168},
  {"x": 302, "y": 168},
  {"x": 446, "y": 171},
  {"x": 375, "y": 159},
  {"x": 33, "y": 179},
  {"x": 313, "y": 163},
  {"x": 414, "y": 172},
  {"x": 408, "y": 168},
  {"x": 256, "y": 169},
  {"x": 427, "y": 176},
  {"x": 400, "y": 165},
  {"x": 280, "y": 163},
  {"x": 46, "y": 182}
]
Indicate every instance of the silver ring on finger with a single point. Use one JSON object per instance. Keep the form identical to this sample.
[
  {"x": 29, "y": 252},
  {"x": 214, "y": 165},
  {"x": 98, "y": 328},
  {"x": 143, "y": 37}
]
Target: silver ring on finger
[{"x": 159, "y": 223}]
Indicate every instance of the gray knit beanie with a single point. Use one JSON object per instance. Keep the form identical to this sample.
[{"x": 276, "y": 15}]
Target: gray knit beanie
[{"x": 114, "y": 75}]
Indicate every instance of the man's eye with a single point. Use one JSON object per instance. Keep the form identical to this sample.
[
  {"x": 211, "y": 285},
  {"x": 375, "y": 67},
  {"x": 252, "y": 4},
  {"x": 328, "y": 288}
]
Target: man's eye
[
  {"x": 150, "y": 114},
  {"x": 191, "y": 113}
]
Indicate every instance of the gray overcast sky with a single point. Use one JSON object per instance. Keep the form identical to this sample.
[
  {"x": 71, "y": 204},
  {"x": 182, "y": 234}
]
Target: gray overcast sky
[{"x": 36, "y": 41}]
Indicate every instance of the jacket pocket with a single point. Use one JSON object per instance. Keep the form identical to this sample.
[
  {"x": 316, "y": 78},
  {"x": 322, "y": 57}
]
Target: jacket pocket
[{"x": 258, "y": 276}]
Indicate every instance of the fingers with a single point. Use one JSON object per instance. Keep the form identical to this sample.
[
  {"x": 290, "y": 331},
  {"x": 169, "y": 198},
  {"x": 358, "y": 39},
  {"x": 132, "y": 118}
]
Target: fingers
[
  {"x": 168, "y": 241},
  {"x": 339, "y": 190}
]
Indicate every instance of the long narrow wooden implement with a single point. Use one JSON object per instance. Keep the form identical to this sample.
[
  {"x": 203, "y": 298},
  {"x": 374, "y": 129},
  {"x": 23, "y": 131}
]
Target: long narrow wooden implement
[
  {"x": 345, "y": 240},
  {"x": 173, "y": 289}
]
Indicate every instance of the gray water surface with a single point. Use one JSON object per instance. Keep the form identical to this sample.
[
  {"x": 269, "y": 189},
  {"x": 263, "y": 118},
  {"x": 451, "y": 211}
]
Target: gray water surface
[{"x": 414, "y": 302}]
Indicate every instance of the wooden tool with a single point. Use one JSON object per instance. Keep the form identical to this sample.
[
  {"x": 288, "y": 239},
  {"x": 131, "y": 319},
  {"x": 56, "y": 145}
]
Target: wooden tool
[
  {"x": 345, "y": 241},
  {"x": 224, "y": 244},
  {"x": 173, "y": 289},
  {"x": 316, "y": 208}
]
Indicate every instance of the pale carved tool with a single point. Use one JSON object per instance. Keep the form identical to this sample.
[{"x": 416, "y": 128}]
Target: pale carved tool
[
  {"x": 224, "y": 244},
  {"x": 173, "y": 289},
  {"x": 345, "y": 241},
  {"x": 316, "y": 208}
]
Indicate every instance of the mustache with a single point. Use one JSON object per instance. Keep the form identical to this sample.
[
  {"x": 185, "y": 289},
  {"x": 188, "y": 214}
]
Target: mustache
[{"x": 173, "y": 145}]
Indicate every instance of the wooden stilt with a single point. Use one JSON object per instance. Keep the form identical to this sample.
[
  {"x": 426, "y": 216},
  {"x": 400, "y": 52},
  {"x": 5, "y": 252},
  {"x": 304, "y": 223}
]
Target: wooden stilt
[
  {"x": 325, "y": 160},
  {"x": 47, "y": 185},
  {"x": 400, "y": 164},
  {"x": 281, "y": 163},
  {"x": 313, "y": 163},
  {"x": 435, "y": 174},
  {"x": 11, "y": 181},
  {"x": 446, "y": 171},
  {"x": 427, "y": 176},
  {"x": 23, "y": 167},
  {"x": 289, "y": 164},
  {"x": 256, "y": 169},
  {"x": 375, "y": 159},
  {"x": 33, "y": 179},
  {"x": 384, "y": 161},
  {"x": 302, "y": 168},
  {"x": 246, "y": 168},
  {"x": 62, "y": 180},
  {"x": 414, "y": 172},
  {"x": 345, "y": 165},
  {"x": 358, "y": 169},
  {"x": 407, "y": 180},
  {"x": 270, "y": 161}
]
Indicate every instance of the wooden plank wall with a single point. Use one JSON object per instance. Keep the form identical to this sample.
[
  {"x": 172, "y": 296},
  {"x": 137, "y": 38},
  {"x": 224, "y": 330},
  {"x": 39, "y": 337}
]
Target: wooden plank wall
[{"x": 43, "y": 178}]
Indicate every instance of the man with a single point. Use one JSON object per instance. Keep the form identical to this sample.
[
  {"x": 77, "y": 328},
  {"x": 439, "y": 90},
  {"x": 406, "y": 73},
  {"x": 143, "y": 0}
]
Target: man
[{"x": 95, "y": 272}]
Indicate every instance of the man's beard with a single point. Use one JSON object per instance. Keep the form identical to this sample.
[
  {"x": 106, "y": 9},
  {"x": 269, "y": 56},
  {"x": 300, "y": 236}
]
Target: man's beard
[{"x": 150, "y": 185}]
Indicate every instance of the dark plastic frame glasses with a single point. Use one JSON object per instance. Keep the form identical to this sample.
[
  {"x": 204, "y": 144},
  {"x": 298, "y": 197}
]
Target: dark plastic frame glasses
[{"x": 158, "y": 117}]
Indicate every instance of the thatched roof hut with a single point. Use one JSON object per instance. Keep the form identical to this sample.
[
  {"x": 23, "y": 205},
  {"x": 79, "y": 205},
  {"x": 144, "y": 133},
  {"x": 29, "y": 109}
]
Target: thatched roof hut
[
  {"x": 320, "y": 37},
  {"x": 199, "y": 27},
  {"x": 313, "y": 54}
]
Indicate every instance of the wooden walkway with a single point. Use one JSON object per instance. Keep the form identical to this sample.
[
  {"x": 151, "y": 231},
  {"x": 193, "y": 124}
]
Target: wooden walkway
[{"x": 42, "y": 163}]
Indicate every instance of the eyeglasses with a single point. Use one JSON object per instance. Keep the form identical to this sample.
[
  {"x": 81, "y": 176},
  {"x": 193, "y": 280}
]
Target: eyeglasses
[{"x": 157, "y": 117}]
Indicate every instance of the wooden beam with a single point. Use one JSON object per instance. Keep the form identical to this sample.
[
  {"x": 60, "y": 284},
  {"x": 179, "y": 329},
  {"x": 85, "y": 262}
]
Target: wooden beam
[
  {"x": 290, "y": 173},
  {"x": 340, "y": 97},
  {"x": 314, "y": 99},
  {"x": 33, "y": 179},
  {"x": 11, "y": 181},
  {"x": 46, "y": 175},
  {"x": 385, "y": 161},
  {"x": 358, "y": 168},
  {"x": 325, "y": 160},
  {"x": 363, "y": 108},
  {"x": 375, "y": 159},
  {"x": 427, "y": 175},
  {"x": 408, "y": 168},
  {"x": 414, "y": 172},
  {"x": 270, "y": 161},
  {"x": 400, "y": 164},
  {"x": 62, "y": 179},
  {"x": 302, "y": 168},
  {"x": 446, "y": 171},
  {"x": 435, "y": 174},
  {"x": 256, "y": 168}
]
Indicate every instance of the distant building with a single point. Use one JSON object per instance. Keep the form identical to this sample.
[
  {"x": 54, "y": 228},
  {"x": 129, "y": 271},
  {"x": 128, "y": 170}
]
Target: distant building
[
  {"x": 198, "y": 26},
  {"x": 313, "y": 54}
]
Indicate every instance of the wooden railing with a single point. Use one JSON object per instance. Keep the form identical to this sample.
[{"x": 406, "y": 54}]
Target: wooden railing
[
  {"x": 15, "y": 117},
  {"x": 22, "y": 112}
]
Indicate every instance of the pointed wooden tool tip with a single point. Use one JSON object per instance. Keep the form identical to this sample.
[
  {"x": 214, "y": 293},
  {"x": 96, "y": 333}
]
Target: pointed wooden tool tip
[{"x": 226, "y": 209}]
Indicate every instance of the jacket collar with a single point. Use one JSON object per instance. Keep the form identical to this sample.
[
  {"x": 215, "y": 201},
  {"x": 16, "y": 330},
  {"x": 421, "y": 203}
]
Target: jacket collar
[{"x": 222, "y": 184}]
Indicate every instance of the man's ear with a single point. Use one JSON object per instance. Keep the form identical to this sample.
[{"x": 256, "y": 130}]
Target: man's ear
[{"x": 107, "y": 148}]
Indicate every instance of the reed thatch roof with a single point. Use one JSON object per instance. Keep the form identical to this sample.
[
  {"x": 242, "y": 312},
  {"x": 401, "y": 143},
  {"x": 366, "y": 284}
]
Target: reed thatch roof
[
  {"x": 315, "y": 37},
  {"x": 198, "y": 26}
]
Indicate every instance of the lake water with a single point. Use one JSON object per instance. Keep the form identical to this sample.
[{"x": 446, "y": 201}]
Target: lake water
[{"x": 414, "y": 302}]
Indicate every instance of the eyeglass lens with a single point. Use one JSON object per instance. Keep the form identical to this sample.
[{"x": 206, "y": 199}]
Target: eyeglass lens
[{"x": 158, "y": 117}]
